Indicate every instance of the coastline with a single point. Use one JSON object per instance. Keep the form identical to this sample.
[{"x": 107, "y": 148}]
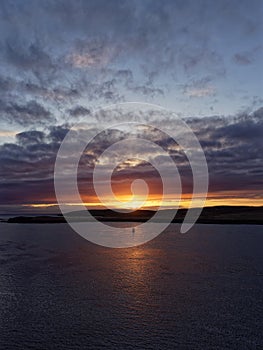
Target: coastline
[{"x": 224, "y": 215}]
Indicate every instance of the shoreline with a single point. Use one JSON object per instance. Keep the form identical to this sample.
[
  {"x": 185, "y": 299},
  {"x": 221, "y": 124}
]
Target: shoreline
[{"x": 223, "y": 215}]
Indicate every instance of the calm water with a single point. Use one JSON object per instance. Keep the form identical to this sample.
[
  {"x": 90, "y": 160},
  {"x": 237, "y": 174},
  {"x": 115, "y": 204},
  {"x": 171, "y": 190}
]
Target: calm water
[{"x": 201, "y": 290}]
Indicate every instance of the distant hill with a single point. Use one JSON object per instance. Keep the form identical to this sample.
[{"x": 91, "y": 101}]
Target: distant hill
[{"x": 209, "y": 215}]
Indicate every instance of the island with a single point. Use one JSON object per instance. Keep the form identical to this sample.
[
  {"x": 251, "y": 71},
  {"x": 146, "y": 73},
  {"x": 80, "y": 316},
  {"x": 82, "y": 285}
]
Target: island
[{"x": 210, "y": 215}]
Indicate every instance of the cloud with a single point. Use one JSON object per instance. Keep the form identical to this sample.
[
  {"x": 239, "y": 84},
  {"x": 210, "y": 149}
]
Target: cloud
[
  {"x": 232, "y": 145},
  {"x": 194, "y": 59},
  {"x": 57, "y": 133},
  {"x": 90, "y": 53},
  {"x": 200, "y": 92},
  {"x": 247, "y": 57},
  {"x": 79, "y": 111},
  {"x": 147, "y": 90},
  {"x": 66, "y": 51},
  {"x": 30, "y": 57},
  {"x": 82, "y": 60},
  {"x": 242, "y": 59},
  {"x": 30, "y": 137},
  {"x": 199, "y": 88},
  {"x": 25, "y": 114},
  {"x": 61, "y": 59}
]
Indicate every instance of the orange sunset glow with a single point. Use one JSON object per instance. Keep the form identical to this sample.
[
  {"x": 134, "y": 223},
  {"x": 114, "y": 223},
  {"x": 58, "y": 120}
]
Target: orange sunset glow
[{"x": 154, "y": 201}]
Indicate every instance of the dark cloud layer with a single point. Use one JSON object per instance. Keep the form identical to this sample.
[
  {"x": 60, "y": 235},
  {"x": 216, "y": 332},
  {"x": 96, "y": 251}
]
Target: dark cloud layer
[{"x": 233, "y": 148}]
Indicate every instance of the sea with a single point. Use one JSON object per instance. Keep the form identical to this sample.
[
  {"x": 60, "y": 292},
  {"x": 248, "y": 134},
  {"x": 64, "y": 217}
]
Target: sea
[{"x": 199, "y": 290}]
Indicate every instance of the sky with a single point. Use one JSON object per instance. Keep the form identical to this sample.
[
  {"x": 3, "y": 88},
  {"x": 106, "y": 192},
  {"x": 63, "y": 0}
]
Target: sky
[{"x": 62, "y": 60}]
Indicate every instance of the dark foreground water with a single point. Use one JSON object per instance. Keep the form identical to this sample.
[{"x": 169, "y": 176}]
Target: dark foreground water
[{"x": 201, "y": 290}]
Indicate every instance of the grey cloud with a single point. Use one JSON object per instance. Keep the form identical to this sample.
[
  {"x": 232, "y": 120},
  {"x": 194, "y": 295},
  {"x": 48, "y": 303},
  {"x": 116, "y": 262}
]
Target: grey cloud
[
  {"x": 247, "y": 57},
  {"x": 195, "y": 58},
  {"x": 242, "y": 59},
  {"x": 25, "y": 114},
  {"x": 79, "y": 111},
  {"x": 56, "y": 93},
  {"x": 244, "y": 130},
  {"x": 233, "y": 148},
  {"x": 51, "y": 92},
  {"x": 30, "y": 159},
  {"x": 31, "y": 57},
  {"x": 30, "y": 137},
  {"x": 94, "y": 34},
  {"x": 147, "y": 90},
  {"x": 57, "y": 133},
  {"x": 6, "y": 84},
  {"x": 65, "y": 50},
  {"x": 199, "y": 88}
]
